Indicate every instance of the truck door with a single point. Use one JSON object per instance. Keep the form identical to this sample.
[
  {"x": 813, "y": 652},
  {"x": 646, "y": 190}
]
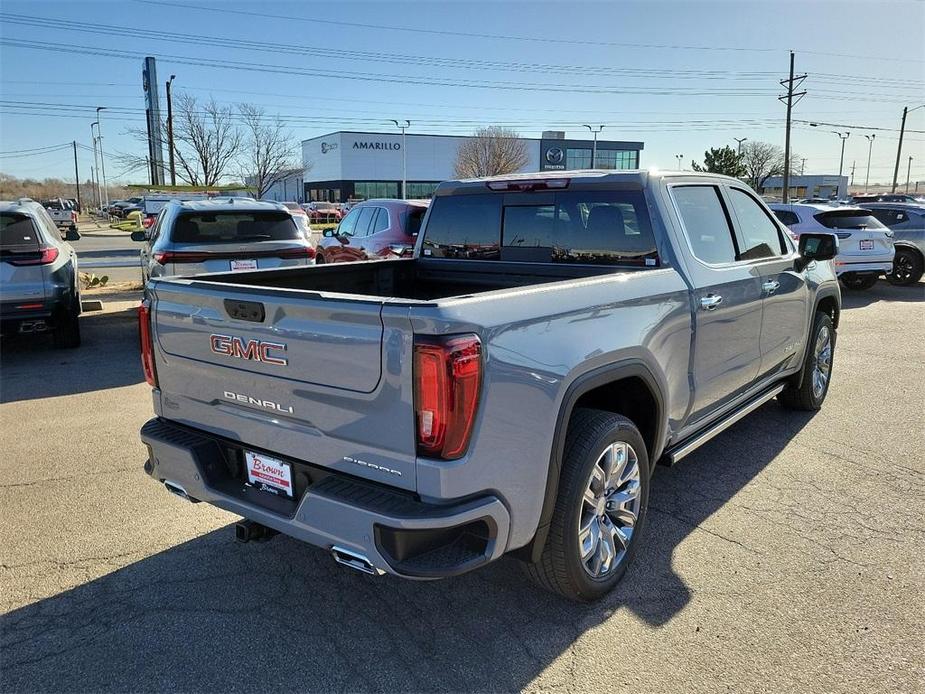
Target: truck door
[
  {"x": 762, "y": 243},
  {"x": 727, "y": 301}
]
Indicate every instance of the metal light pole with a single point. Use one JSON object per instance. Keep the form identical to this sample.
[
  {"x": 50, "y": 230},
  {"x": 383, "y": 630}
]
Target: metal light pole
[
  {"x": 802, "y": 165},
  {"x": 99, "y": 129},
  {"x": 740, "y": 140},
  {"x": 908, "y": 171},
  {"x": 870, "y": 147},
  {"x": 679, "y": 157},
  {"x": 96, "y": 167},
  {"x": 594, "y": 146},
  {"x": 899, "y": 149},
  {"x": 173, "y": 171},
  {"x": 404, "y": 157},
  {"x": 843, "y": 137}
]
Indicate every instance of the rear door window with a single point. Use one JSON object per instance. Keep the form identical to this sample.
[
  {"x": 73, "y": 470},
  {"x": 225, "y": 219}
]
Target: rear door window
[
  {"x": 363, "y": 221},
  {"x": 381, "y": 222},
  {"x": 706, "y": 223},
  {"x": 759, "y": 236},
  {"x": 786, "y": 217},
  {"x": 234, "y": 227}
]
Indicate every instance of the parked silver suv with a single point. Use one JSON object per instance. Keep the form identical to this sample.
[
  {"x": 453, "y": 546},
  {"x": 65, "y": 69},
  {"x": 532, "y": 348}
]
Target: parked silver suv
[
  {"x": 39, "y": 284},
  {"x": 193, "y": 237}
]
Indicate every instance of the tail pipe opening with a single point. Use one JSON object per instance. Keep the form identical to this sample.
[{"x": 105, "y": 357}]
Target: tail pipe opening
[{"x": 355, "y": 561}]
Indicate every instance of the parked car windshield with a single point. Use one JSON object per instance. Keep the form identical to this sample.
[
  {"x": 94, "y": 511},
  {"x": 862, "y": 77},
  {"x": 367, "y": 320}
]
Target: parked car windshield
[
  {"x": 234, "y": 226},
  {"x": 848, "y": 219},
  {"x": 587, "y": 227}
]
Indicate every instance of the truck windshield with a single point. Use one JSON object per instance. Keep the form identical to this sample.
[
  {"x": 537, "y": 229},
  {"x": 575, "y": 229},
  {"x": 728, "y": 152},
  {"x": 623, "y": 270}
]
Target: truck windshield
[
  {"x": 588, "y": 227},
  {"x": 233, "y": 226}
]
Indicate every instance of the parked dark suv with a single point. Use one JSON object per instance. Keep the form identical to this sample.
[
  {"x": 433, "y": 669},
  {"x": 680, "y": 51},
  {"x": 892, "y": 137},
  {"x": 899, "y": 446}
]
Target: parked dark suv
[{"x": 373, "y": 230}]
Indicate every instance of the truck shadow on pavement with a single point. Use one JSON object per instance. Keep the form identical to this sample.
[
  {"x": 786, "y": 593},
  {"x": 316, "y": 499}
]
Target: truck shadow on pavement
[
  {"x": 883, "y": 291},
  {"x": 108, "y": 358},
  {"x": 213, "y": 615}
]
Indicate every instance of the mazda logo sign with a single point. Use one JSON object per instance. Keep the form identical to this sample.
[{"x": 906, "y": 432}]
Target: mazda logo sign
[{"x": 554, "y": 155}]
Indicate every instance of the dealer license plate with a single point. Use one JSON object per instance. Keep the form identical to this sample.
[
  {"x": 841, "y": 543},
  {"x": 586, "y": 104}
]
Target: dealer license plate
[
  {"x": 269, "y": 474},
  {"x": 867, "y": 244},
  {"x": 243, "y": 265}
]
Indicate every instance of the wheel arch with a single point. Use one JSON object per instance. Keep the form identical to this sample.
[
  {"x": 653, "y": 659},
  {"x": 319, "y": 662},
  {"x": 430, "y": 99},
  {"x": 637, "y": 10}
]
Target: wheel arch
[{"x": 629, "y": 388}]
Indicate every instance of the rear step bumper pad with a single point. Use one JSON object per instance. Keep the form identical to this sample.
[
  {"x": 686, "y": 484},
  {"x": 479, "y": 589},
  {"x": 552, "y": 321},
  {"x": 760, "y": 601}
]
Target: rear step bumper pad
[{"x": 337, "y": 510}]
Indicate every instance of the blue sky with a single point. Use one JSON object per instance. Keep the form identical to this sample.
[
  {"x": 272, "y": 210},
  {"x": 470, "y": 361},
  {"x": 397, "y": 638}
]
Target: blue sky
[{"x": 680, "y": 76}]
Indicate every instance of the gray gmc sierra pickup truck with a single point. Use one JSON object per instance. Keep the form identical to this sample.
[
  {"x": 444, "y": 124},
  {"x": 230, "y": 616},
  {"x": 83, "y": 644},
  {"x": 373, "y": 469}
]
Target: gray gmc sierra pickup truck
[{"x": 507, "y": 389}]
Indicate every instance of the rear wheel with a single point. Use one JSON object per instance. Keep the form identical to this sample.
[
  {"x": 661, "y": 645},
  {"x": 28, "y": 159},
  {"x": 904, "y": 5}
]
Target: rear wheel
[
  {"x": 600, "y": 508},
  {"x": 319, "y": 259},
  {"x": 907, "y": 267},
  {"x": 817, "y": 369},
  {"x": 858, "y": 282}
]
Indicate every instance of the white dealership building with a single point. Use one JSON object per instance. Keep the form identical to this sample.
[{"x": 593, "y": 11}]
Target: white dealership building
[{"x": 344, "y": 165}]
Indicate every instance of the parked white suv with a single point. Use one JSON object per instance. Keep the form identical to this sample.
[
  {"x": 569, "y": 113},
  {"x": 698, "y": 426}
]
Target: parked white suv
[{"x": 865, "y": 244}]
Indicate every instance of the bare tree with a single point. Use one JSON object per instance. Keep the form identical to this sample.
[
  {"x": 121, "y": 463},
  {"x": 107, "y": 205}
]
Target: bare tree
[
  {"x": 207, "y": 140},
  {"x": 491, "y": 151},
  {"x": 761, "y": 160},
  {"x": 268, "y": 154}
]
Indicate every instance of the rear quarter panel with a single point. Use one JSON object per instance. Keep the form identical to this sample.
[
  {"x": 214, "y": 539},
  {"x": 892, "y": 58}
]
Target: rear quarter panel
[{"x": 537, "y": 341}]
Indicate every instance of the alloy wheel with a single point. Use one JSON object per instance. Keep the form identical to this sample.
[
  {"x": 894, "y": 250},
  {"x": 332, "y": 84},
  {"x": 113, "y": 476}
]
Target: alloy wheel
[{"x": 822, "y": 361}]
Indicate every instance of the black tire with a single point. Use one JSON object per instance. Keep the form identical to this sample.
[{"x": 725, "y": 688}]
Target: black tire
[
  {"x": 858, "y": 282},
  {"x": 807, "y": 397},
  {"x": 908, "y": 267},
  {"x": 560, "y": 568},
  {"x": 67, "y": 330},
  {"x": 319, "y": 258}
]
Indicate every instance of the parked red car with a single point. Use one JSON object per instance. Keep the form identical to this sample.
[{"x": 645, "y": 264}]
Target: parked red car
[
  {"x": 324, "y": 212},
  {"x": 373, "y": 230}
]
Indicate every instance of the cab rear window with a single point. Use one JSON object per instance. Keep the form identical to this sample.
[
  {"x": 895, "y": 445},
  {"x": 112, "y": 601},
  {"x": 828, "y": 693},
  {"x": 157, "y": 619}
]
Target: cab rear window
[
  {"x": 234, "y": 227},
  {"x": 17, "y": 232},
  {"x": 576, "y": 227}
]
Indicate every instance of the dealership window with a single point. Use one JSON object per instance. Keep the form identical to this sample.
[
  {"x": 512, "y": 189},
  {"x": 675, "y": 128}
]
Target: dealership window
[
  {"x": 368, "y": 190},
  {"x": 616, "y": 159},
  {"x": 578, "y": 158},
  {"x": 419, "y": 191}
]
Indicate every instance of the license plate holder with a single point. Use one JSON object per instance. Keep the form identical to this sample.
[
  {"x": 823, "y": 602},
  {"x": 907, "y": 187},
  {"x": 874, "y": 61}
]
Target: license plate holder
[
  {"x": 238, "y": 265},
  {"x": 866, "y": 244},
  {"x": 268, "y": 474}
]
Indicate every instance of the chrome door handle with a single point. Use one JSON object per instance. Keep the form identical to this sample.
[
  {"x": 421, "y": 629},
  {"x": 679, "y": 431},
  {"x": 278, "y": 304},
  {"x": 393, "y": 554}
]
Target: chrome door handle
[
  {"x": 771, "y": 286},
  {"x": 709, "y": 303}
]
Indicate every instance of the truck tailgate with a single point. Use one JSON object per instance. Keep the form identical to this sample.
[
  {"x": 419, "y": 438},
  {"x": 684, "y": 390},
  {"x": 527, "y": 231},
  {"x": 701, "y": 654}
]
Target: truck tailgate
[{"x": 295, "y": 373}]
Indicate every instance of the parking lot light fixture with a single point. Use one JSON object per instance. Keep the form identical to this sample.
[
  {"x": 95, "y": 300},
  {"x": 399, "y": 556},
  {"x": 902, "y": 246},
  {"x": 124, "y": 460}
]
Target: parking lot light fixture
[
  {"x": 870, "y": 147},
  {"x": 404, "y": 156},
  {"x": 594, "y": 146}
]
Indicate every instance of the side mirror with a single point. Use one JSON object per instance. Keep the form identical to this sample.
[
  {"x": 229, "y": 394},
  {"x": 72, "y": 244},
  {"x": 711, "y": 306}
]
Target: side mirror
[
  {"x": 328, "y": 233},
  {"x": 139, "y": 236},
  {"x": 72, "y": 235},
  {"x": 817, "y": 247}
]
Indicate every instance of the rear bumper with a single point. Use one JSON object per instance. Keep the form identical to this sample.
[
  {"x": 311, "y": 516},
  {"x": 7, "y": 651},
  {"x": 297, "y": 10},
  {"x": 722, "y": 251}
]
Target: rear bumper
[
  {"x": 397, "y": 533},
  {"x": 881, "y": 265}
]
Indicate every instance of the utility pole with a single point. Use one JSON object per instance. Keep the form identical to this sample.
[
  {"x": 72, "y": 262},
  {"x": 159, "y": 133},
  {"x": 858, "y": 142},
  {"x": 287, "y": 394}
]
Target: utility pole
[
  {"x": 96, "y": 165},
  {"x": 99, "y": 129},
  {"x": 802, "y": 165},
  {"x": 792, "y": 83},
  {"x": 870, "y": 147},
  {"x": 594, "y": 146},
  {"x": 908, "y": 171},
  {"x": 173, "y": 171},
  {"x": 740, "y": 140},
  {"x": 404, "y": 157},
  {"x": 899, "y": 148},
  {"x": 77, "y": 175}
]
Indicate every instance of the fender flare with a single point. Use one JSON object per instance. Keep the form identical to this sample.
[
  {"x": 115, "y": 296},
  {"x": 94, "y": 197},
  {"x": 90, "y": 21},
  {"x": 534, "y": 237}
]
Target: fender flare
[{"x": 585, "y": 383}]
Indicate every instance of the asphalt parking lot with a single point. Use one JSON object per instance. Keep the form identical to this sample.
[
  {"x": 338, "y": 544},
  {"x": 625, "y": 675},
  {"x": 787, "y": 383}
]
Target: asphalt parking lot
[{"x": 785, "y": 555}]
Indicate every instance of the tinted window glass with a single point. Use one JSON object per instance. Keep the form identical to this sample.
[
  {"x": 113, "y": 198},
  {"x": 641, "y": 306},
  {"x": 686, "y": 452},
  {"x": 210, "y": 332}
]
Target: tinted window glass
[
  {"x": 415, "y": 217},
  {"x": 233, "y": 227},
  {"x": 381, "y": 222},
  {"x": 366, "y": 216},
  {"x": 580, "y": 227},
  {"x": 786, "y": 217},
  {"x": 848, "y": 219},
  {"x": 347, "y": 225},
  {"x": 760, "y": 237},
  {"x": 705, "y": 223},
  {"x": 464, "y": 226},
  {"x": 17, "y": 232}
]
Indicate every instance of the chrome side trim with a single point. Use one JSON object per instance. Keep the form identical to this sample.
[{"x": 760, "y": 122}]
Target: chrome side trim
[{"x": 676, "y": 454}]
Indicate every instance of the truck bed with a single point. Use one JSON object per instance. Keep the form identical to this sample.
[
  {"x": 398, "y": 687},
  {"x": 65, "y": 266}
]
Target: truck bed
[{"x": 412, "y": 279}]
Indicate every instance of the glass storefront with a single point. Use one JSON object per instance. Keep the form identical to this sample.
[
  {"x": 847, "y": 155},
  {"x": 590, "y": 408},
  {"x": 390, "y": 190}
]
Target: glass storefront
[
  {"x": 616, "y": 159},
  {"x": 421, "y": 191},
  {"x": 577, "y": 159},
  {"x": 368, "y": 190}
]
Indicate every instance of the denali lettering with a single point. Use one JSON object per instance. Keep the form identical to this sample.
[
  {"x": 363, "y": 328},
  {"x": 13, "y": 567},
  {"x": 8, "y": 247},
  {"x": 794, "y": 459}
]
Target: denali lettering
[
  {"x": 252, "y": 350},
  {"x": 268, "y": 404}
]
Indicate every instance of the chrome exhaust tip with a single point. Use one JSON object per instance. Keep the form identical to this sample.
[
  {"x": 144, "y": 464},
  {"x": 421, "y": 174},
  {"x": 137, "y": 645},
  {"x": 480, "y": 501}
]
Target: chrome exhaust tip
[
  {"x": 355, "y": 561},
  {"x": 179, "y": 491}
]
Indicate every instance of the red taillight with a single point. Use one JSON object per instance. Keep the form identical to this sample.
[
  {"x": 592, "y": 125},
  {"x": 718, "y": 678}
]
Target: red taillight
[
  {"x": 74, "y": 217},
  {"x": 148, "y": 222},
  {"x": 447, "y": 377},
  {"x": 147, "y": 343},
  {"x": 43, "y": 257},
  {"x": 300, "y": 252},
  {"x": 164, "y": 257}
]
